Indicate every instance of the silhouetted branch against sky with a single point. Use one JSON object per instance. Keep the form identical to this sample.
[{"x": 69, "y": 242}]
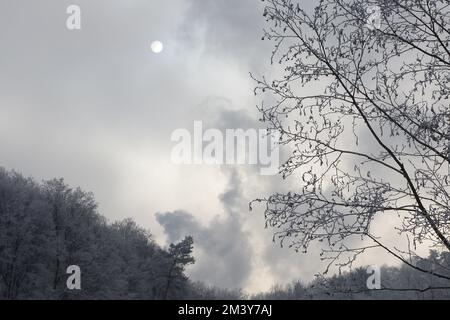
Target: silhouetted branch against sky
[{"x": 364, "y": 102}]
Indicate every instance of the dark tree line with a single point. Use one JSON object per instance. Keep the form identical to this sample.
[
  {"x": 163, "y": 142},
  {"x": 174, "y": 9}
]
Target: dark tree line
[
  {"x": 402, "y": 282},
  {"x": 44, "y": 228}
]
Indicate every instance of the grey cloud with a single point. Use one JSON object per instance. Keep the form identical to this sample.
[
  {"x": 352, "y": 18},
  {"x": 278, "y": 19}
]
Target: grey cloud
[
  {"x": 178, "y": 224},
  {"x": 233, "y": 29},
  {"x": 224, "y": 254},
  {"x": 222, "y": 113}
]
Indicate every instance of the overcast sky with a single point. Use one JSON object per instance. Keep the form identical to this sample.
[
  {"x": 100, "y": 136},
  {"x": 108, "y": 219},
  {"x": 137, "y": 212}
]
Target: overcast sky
[{"x": 97, "y": 107}]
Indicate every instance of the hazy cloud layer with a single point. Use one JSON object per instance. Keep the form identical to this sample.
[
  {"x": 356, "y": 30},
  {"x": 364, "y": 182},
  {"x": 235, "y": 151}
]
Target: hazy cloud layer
[
  {"x": 224, "y": 254},
  {"x": 97, "y": 107}
]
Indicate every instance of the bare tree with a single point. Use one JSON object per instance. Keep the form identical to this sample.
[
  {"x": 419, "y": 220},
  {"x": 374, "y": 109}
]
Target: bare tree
[{"x": 362, "y": 101}]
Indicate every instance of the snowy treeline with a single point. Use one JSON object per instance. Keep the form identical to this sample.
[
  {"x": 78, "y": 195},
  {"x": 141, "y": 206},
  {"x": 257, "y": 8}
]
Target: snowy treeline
[{"x": 46, "y": 227}]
